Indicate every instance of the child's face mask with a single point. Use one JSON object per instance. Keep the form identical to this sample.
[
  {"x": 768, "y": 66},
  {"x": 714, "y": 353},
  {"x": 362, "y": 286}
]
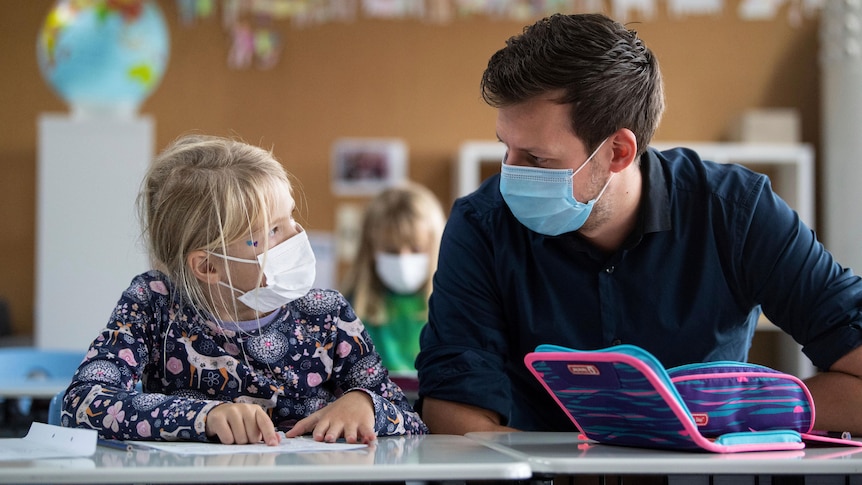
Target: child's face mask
[
  {"x": 402, "y": 273},
  {"x": 289, "y": 268}
]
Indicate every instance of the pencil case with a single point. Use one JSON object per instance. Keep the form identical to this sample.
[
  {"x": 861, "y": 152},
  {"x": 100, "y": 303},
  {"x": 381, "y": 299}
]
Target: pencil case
[
  {"x": 623, "y": 396},
  {"x": 726, "y": 397}
]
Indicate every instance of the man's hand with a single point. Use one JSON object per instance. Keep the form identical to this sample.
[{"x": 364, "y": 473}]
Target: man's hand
[
  {"x": 350, "y": 416},
  {"x": 241, "y": 424}
]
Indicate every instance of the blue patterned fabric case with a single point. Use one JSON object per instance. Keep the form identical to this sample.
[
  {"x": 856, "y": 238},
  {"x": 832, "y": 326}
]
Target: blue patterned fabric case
[{"x": 623, "y": 395}]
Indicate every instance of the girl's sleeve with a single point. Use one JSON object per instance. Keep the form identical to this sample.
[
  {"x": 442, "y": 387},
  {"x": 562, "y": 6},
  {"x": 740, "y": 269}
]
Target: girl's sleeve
[
  {"x": 104, "y": 393},
  {"x": 358, "y": 367}
]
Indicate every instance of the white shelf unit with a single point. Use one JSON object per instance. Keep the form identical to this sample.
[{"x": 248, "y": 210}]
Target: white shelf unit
[{"x": 790, "y": 167}]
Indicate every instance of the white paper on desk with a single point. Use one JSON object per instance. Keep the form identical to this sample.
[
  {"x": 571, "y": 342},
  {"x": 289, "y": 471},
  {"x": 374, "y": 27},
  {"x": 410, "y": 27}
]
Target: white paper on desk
[
  {"x": 287, "y": 445},
  {"x": 48, "y": 441}
]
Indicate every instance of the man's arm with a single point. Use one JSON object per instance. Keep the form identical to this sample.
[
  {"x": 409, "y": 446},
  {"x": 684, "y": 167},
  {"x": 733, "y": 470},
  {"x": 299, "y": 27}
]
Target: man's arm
[
  {"x": 838, "y": 395},
  {"x": 447, "y": 417}
]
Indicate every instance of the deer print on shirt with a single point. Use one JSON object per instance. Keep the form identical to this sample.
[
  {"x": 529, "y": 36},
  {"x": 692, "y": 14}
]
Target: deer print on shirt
[
  {"x": 175, "y": 434},
  {"x": 322, "y": 352},
  {"x": 354, "y": 328},
  {"x": 224, "y": 364},
  {"x": 266, "y": 403},
  {"x": 122, "y": 328}
]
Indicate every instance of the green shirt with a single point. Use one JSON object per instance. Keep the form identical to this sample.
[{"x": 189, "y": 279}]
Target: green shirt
[{"x": 397, "y": 341}]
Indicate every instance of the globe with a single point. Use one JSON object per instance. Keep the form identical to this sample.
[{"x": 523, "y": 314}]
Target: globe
[{"x": 103, "y": 57}]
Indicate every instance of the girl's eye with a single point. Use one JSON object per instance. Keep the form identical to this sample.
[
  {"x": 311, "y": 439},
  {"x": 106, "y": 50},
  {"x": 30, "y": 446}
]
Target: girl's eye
[{"x": 273, "y": 231}]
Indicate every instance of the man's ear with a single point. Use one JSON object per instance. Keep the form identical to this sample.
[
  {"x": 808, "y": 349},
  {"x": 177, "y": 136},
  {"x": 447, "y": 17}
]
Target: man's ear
[
  {"x": 201, "y": 266},
  {"x": 625, "y": 147}
]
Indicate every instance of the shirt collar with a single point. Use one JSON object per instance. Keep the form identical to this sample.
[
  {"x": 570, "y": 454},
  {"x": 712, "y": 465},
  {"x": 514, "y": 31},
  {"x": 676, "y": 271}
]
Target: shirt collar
[
  {"x": 655, "y": 198},
  {"x": 654, "y": 209}
]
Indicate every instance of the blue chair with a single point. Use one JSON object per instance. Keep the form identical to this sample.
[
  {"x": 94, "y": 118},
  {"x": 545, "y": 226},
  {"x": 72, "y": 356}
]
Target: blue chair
[
  {"x": 30, "y": 363},
  {"x": 55, "y": 408},
  {"x": 25, "y": 367}
]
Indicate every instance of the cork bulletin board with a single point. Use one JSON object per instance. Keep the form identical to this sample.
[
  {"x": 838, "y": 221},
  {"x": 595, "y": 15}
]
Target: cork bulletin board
[{"x": 407, "y": 79}]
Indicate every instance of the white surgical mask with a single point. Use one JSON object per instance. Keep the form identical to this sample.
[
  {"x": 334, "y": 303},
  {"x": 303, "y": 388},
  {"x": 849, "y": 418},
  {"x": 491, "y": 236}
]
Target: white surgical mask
[
  {"x": 404, "y": 273},
  {"x": 289, "y": 268}
]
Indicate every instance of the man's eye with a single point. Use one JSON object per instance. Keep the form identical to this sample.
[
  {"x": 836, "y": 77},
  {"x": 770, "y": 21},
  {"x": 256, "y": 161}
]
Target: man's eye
[{"x": 537, "y": 160}]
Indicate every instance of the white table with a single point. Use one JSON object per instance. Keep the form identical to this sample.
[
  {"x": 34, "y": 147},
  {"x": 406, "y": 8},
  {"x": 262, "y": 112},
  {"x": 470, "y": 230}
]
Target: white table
[
  {"x": 430, "y": 457},
  {"x": 33, "y": 388},
  {"x": 565, "y": 454}
]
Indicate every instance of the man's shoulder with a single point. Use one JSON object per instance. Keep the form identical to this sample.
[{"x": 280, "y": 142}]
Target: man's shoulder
[{"x": 687, "y": 171}]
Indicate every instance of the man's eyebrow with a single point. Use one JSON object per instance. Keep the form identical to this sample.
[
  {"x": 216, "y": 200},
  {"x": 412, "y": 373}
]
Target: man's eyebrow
[{"x": 529, "y": 150}]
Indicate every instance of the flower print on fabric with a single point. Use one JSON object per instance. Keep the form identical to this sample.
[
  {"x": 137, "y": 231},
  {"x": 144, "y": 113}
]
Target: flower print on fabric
[
  {"x": 269, "y": 347},
  {"x": 312, "y": 352},
  {"x": 319, "y": 302}
]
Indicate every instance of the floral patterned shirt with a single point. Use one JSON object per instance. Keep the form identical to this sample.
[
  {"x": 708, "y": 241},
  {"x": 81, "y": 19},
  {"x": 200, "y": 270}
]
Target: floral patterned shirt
[{"x": 312, "y": 351}]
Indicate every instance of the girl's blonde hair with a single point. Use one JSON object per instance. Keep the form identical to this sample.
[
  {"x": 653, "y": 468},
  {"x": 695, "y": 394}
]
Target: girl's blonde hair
[
  {"x": 398, "y": 216},
  {"x": 204, "y": 193}
]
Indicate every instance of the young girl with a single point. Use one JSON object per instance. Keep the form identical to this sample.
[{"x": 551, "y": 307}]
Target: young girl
[
  {"x": 226, "y": 335},
  {"x": 390, "y": 281}
]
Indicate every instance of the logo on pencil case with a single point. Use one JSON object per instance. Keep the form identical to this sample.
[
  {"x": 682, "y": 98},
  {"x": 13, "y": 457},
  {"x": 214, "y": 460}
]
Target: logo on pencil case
[
  {"x": 584, "y": 369},
  {"x": 700, "y": 419}
]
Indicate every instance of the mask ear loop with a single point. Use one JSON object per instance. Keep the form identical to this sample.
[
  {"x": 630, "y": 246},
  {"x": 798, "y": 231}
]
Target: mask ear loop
[
  {"x": 588, "y": 161},
  {"x": 590, "y": 158},
  {"x": 606, "y": 186}
]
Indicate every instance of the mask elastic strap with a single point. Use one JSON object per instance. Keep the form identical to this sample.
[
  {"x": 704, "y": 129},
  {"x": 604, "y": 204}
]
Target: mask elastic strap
[
  {"x": 231, "y": 288},
  {"x": 606, "y": 185},
  {"x": 233, "y": 258},
  {"x": 589, "y": 158}
]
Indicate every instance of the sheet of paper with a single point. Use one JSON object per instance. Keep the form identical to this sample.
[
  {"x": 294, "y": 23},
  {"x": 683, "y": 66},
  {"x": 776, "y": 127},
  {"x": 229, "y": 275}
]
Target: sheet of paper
[
  {"x": 48, "y": 441},
  {"x": 287, "y": 445}
]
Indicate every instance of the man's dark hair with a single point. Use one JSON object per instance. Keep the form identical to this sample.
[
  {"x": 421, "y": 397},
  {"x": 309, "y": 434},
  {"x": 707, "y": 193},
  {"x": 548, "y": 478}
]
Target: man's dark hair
[{"x": 608, "y": 75}]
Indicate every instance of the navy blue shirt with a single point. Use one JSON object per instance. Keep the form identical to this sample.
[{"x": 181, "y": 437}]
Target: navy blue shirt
[{"x": 713, "y": 245}]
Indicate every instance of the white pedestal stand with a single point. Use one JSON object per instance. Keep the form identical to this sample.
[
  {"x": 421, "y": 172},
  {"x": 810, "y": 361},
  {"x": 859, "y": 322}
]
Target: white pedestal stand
[{"x": 88, "y": 234}]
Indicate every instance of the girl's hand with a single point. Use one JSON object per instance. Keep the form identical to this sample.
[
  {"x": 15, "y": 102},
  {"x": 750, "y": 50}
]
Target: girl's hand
[
  {"x": 241, "y": 424},
  {"x": 350, "y": 416}
]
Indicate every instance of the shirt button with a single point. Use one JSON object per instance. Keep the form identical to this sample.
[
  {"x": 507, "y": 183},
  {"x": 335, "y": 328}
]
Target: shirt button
[
  {"x": 616, "y": 341},
  {"x": 609, "y": 269}
]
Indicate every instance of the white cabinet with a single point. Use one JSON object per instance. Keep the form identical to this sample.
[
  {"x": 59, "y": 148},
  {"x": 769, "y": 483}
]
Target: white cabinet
[{"x": 790, "y": 168}]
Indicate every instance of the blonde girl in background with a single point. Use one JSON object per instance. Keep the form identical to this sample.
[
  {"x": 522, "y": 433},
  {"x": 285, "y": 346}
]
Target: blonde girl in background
[
  {"x": 226, "y": 335},
  {"x": 390, "y": 282}
]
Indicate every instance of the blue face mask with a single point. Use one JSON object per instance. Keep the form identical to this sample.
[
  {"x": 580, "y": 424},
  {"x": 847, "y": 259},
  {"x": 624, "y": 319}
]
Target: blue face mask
[{"x": 542, "y": 199}]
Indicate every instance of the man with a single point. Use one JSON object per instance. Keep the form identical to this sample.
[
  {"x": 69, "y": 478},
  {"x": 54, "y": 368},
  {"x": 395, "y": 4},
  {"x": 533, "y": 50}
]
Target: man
[{"x": 589, "y": 239}]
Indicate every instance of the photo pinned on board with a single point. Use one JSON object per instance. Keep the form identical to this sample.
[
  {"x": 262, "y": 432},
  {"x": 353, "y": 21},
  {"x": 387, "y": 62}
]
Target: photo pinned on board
[{"x": 365, "y": 166}]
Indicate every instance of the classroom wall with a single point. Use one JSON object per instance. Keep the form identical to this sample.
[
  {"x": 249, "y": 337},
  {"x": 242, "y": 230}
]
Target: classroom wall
[{"x": 379, "y": 78}]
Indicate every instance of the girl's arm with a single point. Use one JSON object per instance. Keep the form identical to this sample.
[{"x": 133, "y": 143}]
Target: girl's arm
[
  {"x": 357, "y": 368},
  {"x": 104, "y": 394}
]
